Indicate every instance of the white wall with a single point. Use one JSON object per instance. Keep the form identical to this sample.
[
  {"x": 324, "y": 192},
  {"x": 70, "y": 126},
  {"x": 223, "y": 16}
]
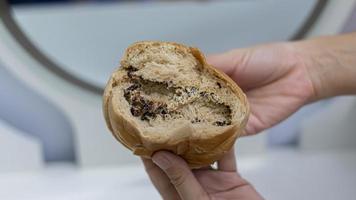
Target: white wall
[
  {"x": 23, "y": 108},
  {"x": 18, "y": 150},
  {"x": 334, "y": 128}
]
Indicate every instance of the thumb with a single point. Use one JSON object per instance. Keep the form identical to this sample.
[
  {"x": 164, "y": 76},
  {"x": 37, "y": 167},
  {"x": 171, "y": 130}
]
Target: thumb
[{"x": 180, "y": 175}]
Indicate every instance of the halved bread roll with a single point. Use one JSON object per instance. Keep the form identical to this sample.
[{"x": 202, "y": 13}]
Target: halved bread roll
[{"x": 164, "y": 96}]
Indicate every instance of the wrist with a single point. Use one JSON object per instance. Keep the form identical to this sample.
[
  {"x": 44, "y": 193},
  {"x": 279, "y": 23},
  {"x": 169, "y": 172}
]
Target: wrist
[
  {"x": 310, "y": 56},
  {"x": 330, "y": 63},
  {"x": 307, "y": 58}
]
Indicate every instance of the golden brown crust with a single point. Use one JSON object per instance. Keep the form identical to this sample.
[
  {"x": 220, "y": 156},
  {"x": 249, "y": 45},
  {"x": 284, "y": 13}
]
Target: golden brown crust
[{"x": 197, "y": 151}]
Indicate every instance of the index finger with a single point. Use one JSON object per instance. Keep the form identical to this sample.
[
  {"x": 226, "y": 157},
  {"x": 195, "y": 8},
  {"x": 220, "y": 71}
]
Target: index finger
[{"x": 160, "y": 180}]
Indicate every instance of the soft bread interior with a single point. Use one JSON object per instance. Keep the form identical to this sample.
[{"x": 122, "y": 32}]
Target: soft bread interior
[{"x": 163, "y": 85}]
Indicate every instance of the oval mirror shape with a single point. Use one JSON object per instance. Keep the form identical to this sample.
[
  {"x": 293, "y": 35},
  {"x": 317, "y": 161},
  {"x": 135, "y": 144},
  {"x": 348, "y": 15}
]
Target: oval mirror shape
[{"x": 86, "y": 40}]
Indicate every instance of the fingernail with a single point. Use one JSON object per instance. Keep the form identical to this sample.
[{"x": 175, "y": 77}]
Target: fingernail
[{"x": 161, "y": 160}]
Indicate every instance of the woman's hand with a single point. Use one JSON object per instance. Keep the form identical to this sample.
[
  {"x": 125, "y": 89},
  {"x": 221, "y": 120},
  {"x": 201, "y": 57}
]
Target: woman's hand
[
  {"x": 174, "y": 180},
  {"x": 277, "y": 83},
  {"x": 274, "y": 77},
  {"x": 278, "y": 79}
]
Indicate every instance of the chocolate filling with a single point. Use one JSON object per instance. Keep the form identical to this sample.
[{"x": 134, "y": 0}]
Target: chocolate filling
[
  {"x": 147, "y": 109},
  {"x": 141, "y": 107}
]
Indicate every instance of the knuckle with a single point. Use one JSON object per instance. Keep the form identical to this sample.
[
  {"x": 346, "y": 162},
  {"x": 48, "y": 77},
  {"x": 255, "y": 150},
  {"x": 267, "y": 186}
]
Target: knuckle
[{"x": 177, "y": 175}]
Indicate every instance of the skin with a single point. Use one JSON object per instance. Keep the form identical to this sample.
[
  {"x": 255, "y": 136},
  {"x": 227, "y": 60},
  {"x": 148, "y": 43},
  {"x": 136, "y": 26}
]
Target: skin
[
  {"x": 174, "y": 180},
  {"x": 278, "y": 79}
]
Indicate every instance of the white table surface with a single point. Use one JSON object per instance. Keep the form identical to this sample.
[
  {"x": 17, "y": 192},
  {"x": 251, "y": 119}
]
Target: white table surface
[{"x": 277, "y": 175}]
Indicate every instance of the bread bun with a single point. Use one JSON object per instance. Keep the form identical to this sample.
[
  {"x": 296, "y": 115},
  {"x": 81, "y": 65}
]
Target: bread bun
[{"x": 164, "y": 96}]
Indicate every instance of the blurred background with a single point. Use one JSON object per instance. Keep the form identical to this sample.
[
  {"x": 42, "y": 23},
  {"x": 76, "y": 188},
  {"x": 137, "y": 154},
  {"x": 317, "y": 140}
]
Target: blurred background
[{"x": 56, "y": 56}]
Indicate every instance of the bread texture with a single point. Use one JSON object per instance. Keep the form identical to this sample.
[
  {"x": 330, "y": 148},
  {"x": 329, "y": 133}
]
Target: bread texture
[{"x": 164, "y": 96}]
